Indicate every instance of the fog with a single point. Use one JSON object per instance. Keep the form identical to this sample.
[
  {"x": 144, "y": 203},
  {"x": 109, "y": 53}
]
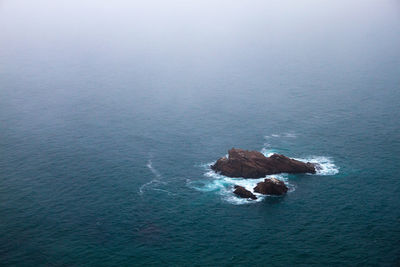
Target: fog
[
  {"x": 183, "y": 51},
  {"x": 197, "y": 30}
]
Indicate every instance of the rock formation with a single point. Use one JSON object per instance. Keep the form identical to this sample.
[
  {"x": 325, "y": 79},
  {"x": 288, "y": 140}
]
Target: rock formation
[
  {"x": 253, "y": 164},
  {"x": 243, "y": 192},
  {"x": 271, "y": 186}
]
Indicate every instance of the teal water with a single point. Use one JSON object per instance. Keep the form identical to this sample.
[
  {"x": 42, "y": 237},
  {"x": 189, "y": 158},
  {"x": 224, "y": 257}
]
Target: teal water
[{"x": 111, "y": 112}]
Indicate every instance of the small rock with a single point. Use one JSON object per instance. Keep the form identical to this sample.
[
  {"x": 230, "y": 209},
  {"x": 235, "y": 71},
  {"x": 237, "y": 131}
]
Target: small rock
[
  {"x": 271, "y": 186},
  {"x": 243, "y": 192}
]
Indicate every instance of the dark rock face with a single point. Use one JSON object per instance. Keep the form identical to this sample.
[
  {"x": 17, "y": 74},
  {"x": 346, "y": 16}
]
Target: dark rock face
[
  {"x": 271, "y": 186},
  {"x": 253, "y": 164},
  {"x": 243, "y": 192}
]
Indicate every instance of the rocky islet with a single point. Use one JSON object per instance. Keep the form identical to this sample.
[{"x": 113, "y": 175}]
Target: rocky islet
[{"x": 253, "y": 164}]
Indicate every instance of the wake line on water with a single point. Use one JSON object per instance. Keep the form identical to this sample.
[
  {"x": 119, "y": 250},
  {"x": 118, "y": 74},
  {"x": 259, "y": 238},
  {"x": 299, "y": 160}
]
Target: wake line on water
[
  {"x": 152, "y": 169},
  {"x": 157, "y": 180}
]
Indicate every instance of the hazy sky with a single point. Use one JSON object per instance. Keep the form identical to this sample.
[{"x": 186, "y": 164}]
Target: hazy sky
[{"x": 194, "y": 25}]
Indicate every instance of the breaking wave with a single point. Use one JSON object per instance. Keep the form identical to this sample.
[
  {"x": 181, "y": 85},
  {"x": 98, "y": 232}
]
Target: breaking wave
[
  {"x": 324, "y": 165},
  {"x": 224, "y": 186}
]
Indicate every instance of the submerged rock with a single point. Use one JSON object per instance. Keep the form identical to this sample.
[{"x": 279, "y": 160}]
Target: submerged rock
[
  {"x": 243, "y": 192},
  {"x": 271, "y": 186},
  {"x": 253, "y": 164}
]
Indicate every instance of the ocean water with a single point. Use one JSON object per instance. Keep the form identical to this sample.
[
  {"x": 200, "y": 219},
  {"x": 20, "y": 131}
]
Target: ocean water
[{"x": 112, "y": 111}]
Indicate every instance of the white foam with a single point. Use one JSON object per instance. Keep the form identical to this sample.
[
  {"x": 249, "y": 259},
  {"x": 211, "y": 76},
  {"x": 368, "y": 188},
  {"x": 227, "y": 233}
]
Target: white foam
[
  {"x": 325, "y": 165},
  {"x": 212, "y": 174},
  {"x": 228, "y": 196},
  {"x": 143, "y": 186},
  {"x": 272, "y": 136},
  {"x": 207, "y": 186},
  {"x": 153, "y": 181},
  {"x": 268, "y": 152},
  {"x": 285, "y": 135},
  {"x": 224, "y": 185},
  {"x": 152, "y": 169},
  {"x": 290, "y": 135},
  {"x": 248, "y": 184},
  {"x": 206, "y": 165}
]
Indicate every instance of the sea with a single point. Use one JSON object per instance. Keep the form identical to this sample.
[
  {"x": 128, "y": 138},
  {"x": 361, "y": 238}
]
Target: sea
[{"x": 111, "y": 113}]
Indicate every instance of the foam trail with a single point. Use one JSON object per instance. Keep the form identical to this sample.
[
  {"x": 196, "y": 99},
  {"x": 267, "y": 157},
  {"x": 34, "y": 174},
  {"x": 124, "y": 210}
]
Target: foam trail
[
  {"x": 152, "y": 169},
  {"x": 154, "y": 181},
  {"x": 141, "y": 188}
]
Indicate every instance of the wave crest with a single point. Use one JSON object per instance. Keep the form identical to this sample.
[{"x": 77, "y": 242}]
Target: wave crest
[{"x": 324, "y": 165}]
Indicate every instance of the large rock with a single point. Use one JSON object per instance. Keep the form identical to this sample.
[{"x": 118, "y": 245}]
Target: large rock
[
  {"x": 271, "y": 186},
  {"x": 253, "y": 164},
  {"x": 243, "y": 192}
]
